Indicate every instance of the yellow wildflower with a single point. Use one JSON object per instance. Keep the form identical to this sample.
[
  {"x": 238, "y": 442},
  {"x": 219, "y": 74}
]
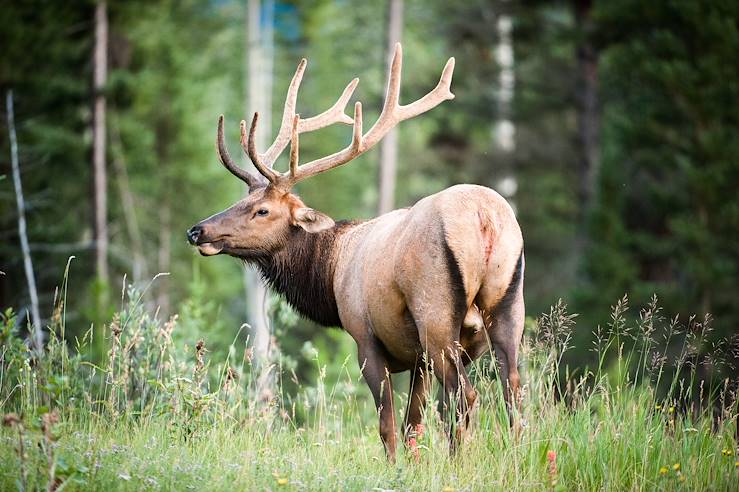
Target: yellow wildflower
[
  {"x": 447, "y": 489},
  {"x": 658, "y": 407},
  {"x": 663, "y": 470},
  {"x": 727, "y": 452},
  {"x": 282, "y": 481},
  {"x": 671, "y": 410},
  {"x": 676, "y": 466},
  {"x": 736, "y": 464}
]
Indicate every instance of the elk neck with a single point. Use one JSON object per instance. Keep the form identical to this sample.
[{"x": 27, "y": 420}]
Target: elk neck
[{"x": 303, "y": 272}]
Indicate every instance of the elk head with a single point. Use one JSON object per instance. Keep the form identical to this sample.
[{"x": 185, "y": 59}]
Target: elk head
[{"x": 261, "y": 223}]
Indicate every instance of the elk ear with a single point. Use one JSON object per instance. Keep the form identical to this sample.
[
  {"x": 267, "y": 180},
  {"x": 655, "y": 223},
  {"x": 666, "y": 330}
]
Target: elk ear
[{"x": 312, "y": 220}]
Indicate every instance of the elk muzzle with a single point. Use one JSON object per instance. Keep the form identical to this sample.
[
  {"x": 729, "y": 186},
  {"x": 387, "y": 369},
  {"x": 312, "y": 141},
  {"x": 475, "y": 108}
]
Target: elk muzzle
[{"x": 197, "y": 236}]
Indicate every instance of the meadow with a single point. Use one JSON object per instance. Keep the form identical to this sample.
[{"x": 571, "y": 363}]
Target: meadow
[{"x": 160, "y": 414}]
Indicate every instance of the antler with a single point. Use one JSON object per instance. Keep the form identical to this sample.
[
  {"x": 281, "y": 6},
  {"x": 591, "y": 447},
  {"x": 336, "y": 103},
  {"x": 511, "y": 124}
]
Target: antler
[
  {"x": 392, "y": 114},
  {"x": 265, "y": 162},
  {"x": 292, "y": 126}
]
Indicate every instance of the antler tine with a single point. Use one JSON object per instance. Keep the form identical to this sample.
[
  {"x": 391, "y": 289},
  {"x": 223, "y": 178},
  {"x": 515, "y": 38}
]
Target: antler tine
[
  {"x": 250, "y": 147},
  {"x": 288, "y": 113},
  {"x": 442, "y": 92},
  {"x": 355, "y": 148},
  {"x": 335, "y": 114},
  {"x": 294, "y": 147},
  {"x": 251, "y": 180},
  {"x": 392, "y": 95},
  {"x": 393, "y": 113}
]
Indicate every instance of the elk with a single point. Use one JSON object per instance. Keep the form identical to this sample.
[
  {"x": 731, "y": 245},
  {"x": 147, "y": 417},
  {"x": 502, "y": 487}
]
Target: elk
[{"x": 426, "y": 289}]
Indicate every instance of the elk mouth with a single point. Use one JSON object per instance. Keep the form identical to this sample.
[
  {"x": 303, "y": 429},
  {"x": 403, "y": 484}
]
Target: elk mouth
[{"x": 210, "y": 248}]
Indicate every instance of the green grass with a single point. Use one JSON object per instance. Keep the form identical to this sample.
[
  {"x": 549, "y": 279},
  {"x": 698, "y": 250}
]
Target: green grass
[
  {"x": 621, "y": 450},
  {"x": 162, "y": 416}
]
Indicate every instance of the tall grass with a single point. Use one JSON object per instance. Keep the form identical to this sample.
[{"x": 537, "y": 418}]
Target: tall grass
[{"x": 162, "y": 414}]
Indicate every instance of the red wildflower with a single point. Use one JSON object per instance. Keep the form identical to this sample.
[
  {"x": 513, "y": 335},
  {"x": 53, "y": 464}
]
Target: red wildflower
[
  {"x": 413, "y": 445},
  {"x": 552, "y": 459}
]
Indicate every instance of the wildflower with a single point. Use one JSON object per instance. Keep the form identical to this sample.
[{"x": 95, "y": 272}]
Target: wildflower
[
  {"x": 671, "y": 410},
  {"x": 552, "y": 470},
  {"x": 419, "y": 430},
  {"x": 727, "y": 452},
  {"x": 676, "y": 467},
  {"x": 663, "y": 470},
  {"x": 736, "y": 464},
  {"x": 413, "y": 445},
  {"x": 658, "y": 407},
  {"x": 282, "y": 481},
  {"x": 447, "y": 489}
]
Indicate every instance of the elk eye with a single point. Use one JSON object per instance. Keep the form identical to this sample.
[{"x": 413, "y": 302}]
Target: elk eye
[{"x": 262, "y": 212}]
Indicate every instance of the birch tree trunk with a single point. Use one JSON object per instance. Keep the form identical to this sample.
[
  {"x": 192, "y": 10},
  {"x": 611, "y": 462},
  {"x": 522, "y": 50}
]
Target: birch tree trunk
[
  {"x": 505, "y": 129},
  {"x": 37, "y": 334},
  {"x": 389, "y": 145},
  {"x": 259, "y": 99},
  {"x": 100, "y": 63}
]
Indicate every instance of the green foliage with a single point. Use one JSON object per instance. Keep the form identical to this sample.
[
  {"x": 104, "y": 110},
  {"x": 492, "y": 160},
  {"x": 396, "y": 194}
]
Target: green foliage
[{"x": 667, "y": 218}]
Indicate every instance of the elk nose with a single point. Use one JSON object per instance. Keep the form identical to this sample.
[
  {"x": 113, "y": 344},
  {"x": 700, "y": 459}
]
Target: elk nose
[{"x": 193, "y": 234}]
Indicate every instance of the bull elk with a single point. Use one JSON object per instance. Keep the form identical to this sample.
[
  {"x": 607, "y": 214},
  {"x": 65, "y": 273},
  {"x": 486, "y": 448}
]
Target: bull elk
[{"x": 423, "y": 289}]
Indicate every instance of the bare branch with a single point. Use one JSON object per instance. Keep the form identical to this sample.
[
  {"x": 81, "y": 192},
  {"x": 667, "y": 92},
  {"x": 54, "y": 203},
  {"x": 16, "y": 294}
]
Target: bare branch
[{"x": 36, "y": 332}]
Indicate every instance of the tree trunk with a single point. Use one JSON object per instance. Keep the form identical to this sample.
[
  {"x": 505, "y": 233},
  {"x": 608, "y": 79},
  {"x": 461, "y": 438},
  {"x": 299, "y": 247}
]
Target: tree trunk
[
  {"x": 389, "y": 145},
  {"x": 505, "y": 129},
  {"x": 588, "y": 116},
  {"x": 37, "y": 334},
  {"x": 259, "y": 99},
  {"x": 100, "y": 63}
]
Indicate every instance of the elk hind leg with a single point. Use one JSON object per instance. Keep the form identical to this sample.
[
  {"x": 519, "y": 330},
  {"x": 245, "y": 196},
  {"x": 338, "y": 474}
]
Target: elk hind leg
[
  {"x": 458, "y": 395},
  {"x": 506, "y": 332}
]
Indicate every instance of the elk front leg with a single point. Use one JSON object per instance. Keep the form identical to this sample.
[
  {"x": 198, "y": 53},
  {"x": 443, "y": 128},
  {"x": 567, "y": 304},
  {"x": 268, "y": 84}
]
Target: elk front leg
[{"x": 374, "y": 367}]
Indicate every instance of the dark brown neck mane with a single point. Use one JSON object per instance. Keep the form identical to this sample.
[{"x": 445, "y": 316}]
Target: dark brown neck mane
[{"x": 303, "y": 272}]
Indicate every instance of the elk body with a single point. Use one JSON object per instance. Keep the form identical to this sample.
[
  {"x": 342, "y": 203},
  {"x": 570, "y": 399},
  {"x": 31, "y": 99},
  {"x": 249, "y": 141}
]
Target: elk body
[{"x": 424, "y": 289}]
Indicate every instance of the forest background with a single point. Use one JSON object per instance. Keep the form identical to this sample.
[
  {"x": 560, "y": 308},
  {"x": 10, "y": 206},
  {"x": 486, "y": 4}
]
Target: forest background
[{"x": 612, "y": 127}]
